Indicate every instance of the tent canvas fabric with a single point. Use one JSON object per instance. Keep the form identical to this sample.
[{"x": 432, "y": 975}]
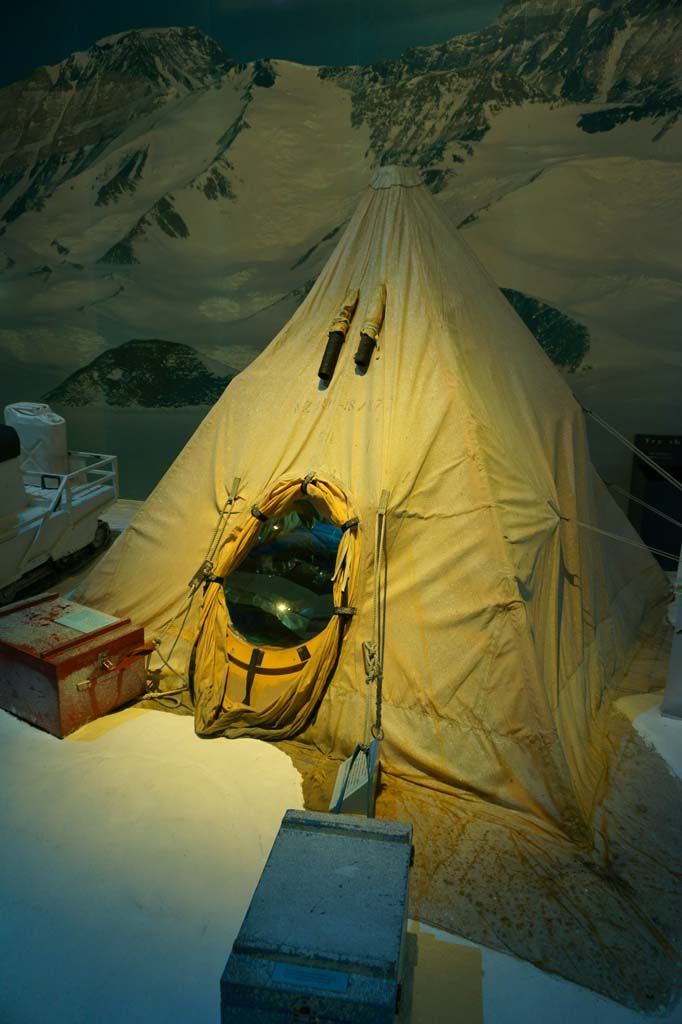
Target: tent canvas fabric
[{"x": 506, "y": 620}]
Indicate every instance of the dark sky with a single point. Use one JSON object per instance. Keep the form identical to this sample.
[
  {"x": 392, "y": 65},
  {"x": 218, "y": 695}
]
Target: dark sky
[{"x": 38, "y": 32}]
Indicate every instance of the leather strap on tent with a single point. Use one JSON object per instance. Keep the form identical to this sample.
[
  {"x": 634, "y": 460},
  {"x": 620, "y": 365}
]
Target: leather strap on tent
[{"x": 256, "y": 659}]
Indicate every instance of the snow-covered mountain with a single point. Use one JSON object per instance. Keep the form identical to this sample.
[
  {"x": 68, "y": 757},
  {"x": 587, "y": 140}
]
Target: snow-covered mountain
[
  {"x": 624, "y": 53},
  {"x": 152, "y": 187},
  {"x": 57, "y": 123}
]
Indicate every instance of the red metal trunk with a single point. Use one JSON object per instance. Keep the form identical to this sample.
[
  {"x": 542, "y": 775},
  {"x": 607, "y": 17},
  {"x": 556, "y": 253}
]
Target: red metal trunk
[{"x": 59, "y": 677}]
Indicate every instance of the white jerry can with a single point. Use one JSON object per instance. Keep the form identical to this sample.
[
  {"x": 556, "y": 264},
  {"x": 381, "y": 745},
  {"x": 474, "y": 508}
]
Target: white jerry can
[{"x": 42, "y": 434}]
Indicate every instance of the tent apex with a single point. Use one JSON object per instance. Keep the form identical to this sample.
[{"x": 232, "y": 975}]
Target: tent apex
[{"x": 393, "y": 175}]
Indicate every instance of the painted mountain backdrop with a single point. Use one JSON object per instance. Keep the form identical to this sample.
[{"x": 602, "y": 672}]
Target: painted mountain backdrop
[{"x": 153, "y": 188}]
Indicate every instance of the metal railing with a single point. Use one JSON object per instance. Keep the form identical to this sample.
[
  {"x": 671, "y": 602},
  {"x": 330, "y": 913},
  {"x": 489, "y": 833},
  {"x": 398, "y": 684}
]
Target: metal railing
[{"x": 78, "y": 484}]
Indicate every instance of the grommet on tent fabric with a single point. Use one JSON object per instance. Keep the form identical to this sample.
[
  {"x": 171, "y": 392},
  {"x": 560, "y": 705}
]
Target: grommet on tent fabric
[
  {"x": 257, "y": 514},
  {"x": 350, "y": 524},
  {"x": 337, "y": 336},
  {"x": 370, "y": 329}
]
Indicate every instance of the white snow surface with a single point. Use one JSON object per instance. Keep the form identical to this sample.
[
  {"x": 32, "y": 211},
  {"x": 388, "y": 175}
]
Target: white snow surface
[
  {"x": 128, "y": 863},
  {"x": 611, "y": 66},
  {"x": 514, "y": 991},
  {"x": 664, "y": 734},
  {"x": 129, "y": 858}
]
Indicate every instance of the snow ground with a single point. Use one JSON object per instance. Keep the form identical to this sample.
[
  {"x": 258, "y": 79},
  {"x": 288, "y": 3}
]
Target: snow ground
[{"x": 130, "y": 853}]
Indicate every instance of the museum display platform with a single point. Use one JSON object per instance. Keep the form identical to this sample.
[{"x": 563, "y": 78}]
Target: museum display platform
[{"x": 130, "y": 855}]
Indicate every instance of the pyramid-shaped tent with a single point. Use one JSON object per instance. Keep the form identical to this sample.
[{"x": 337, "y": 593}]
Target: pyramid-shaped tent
[{"x": 506, "y": 615}]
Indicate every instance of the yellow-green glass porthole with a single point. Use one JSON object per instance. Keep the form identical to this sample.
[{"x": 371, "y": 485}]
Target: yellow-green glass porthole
[{"x": 281, "y": 593}]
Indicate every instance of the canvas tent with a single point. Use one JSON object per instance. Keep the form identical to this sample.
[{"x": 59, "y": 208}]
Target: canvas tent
[{"x": 507, "y": 616}]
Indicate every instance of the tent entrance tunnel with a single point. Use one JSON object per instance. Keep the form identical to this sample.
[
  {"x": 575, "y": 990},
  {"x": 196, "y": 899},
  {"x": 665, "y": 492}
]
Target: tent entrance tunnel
[
  {"x": 512, "y": 614},
  {"x": 241, "y": 682}
]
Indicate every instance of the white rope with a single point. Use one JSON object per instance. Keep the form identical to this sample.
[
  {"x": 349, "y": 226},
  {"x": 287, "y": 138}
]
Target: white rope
[
  {"x": 618, "y": 536},
  {"x": 633, "y": 448},
  {"x": 179, "y": 632},
  {"x": 638, "y": 501},
  {"x": 169, "y": 698},
  {"x": 172, "y": 621},
  {"x": 225, "y": 513}
]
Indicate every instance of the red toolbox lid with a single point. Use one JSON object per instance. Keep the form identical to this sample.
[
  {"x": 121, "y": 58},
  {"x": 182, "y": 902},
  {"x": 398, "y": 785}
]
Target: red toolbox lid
[{"x": 49, "y": 625}]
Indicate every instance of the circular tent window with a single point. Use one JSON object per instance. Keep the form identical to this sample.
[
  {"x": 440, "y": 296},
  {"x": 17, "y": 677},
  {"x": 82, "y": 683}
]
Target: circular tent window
[{"x": 282, "y": 594}]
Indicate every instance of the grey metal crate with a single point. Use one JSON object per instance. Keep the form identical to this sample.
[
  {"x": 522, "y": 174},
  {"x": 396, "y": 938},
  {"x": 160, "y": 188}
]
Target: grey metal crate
[{"x": 322, "y": 940}]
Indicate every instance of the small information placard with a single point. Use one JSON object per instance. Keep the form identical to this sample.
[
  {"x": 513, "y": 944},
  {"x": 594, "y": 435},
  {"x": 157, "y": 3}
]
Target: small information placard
[{"x": 85, "y": 620}]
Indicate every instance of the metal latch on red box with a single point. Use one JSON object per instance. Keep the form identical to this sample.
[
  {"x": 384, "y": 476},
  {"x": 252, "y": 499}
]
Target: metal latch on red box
[
  {"x": 108, "y": 665},
  {"x": 63, "y": 664}
]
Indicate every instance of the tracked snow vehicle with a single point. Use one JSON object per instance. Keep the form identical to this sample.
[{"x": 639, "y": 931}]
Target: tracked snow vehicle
[{"x": 50, "y": 499}]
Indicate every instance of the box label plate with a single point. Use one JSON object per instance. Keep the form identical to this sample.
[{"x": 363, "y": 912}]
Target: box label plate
[{"x": 310, "y": 977}]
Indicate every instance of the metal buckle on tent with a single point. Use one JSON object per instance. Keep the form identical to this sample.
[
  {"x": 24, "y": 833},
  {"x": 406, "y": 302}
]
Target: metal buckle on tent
[
  {"x": 232, "y": 496},
  {"x": 350, "y": 524},
  {"x": 369, "y": 657},
  {"x": 256, "y": 512},
  {"x": 213, "y": 579},
  {"x": 308, "y": 479},
  {"x": 345, "y": 612},
  {"x": 204, "y": 570}
]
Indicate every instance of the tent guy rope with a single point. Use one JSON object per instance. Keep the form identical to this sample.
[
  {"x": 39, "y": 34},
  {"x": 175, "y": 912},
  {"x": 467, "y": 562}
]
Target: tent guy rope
[
  {"x": 618, "y": 536},
  {"x": 633, "y": 448},
  {"x": 644, "y": 504}
]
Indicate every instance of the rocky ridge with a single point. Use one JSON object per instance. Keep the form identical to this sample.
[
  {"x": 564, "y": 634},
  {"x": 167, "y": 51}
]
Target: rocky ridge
[
  {"x": 432, "y": 104},
  {"x": 151, "y": 373}
]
